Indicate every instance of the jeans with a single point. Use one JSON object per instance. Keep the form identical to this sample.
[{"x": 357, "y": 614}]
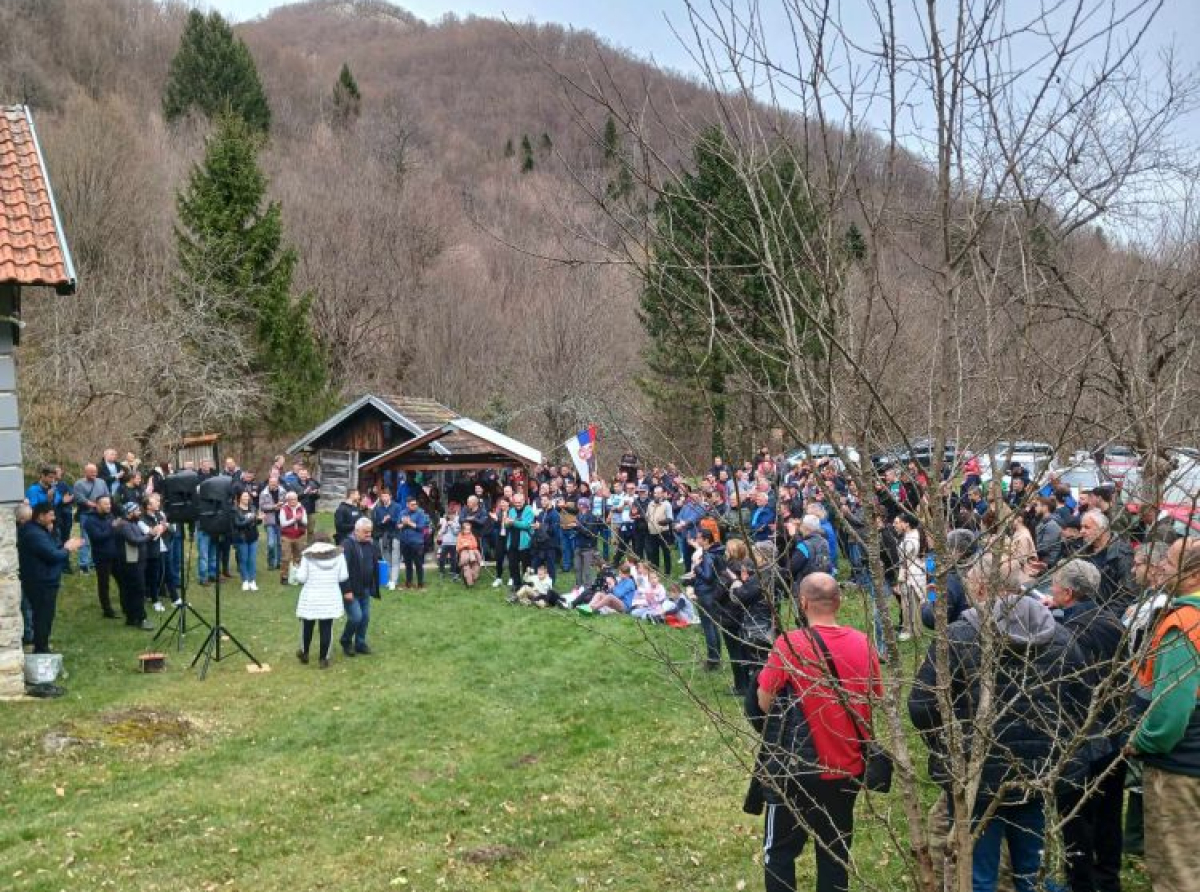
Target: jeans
[
  {"x": 206, "y": 557},
  {"x": 568, "y": 550},
  {"x": 824, "y": 809},
  {"x": 358, "y": 617},
  {"x": 85, "y": 551},
  {"x": 1022, "y": 827},
  {"x": 549, "y": 558},
  {"x": 605, "y": 540},
  {"x": 584, "y": 572},
  {"x": 273, "y": 549},
  {"x": 247, "y": 560},
  {"x": 174, "y": 564},
  {"x": 712, "y": 634}
]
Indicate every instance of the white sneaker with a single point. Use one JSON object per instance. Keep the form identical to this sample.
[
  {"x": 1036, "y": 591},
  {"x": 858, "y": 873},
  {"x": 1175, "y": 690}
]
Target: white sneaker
[
  {"x": 253, "y": 586},
  {"x": 158, "y": 608},
  {"x": 391, "y": 586},
  {"x": 178, "y": 602},
  {"x": 245, "y": 586},
  {"x": 497, "y": 583}
]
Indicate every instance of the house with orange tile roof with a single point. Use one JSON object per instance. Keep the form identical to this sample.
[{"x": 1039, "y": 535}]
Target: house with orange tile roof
[{"x": 33, "y": 253}]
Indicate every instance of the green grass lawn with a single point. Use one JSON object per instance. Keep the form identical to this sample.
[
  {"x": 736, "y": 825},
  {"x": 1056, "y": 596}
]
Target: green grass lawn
[{"x": 481, "y": 746}]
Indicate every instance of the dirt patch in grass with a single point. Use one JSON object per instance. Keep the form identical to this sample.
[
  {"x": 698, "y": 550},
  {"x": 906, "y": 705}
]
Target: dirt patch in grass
[
  {"x": 527, "y": 759},
  {"x": 138, "y": 727},
  {"x": 490, "y": 854}
]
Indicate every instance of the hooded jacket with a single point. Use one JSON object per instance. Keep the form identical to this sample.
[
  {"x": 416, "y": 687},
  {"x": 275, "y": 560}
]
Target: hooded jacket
[
  {"x": 1040, "y": 696},
  {"x": 321, "y": 574}
]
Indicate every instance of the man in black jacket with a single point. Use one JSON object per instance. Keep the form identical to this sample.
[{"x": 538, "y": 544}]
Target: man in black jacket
[
  {"x": 98, "y": 527},
  {"x": 1038, "y": 701},
  {"x": 362, "y": 584},
  {"x": 346, "y": 515},
  {"x": 41, "y": 563},
  {"x": 1112, "y": 556},
  {"x": 1093, "y": 836}
]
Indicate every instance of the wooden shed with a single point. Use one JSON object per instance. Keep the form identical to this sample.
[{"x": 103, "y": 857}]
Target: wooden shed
[{"x": 375, "y": 436}]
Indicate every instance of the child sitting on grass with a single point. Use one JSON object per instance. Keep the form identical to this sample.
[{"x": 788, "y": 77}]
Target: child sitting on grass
[
  {"x": 538, "y": 590},
  {"x": 619, "y": 599},
  {"x": 650, "y": 601},
  {"x": 470, "y": 558}
]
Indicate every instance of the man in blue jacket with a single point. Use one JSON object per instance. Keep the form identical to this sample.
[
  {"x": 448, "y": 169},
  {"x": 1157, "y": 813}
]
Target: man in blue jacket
[
  {"x": 762, "y": 521},
  {"x": 98, "y": 527},
  {"x": 413, "y": 526},
  {"x": 41, "y": 562}
]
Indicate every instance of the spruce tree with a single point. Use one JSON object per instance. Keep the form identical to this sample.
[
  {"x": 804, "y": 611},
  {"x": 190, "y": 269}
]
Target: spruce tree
[
  {"x": 526, "y": 154},
  {"x": 707, "y": 240},
  {"x": 214, "y": 74},
  {"x": 611, "y": 141},
  {"x": 546, "y": 144},
  {"x": 347, "y": 100},
  {"x": 509, "y": 151},
  {"x": 231, "y": 253}
]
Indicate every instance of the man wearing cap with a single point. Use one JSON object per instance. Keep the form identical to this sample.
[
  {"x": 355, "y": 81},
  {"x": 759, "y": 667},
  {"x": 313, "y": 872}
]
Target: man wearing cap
[
  {"x": 41, "y": 563},
  {"x": 131, "y": 562}
]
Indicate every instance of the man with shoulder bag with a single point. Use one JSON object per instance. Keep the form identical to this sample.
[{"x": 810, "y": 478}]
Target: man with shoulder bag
[{"x": 817, "y": 750}]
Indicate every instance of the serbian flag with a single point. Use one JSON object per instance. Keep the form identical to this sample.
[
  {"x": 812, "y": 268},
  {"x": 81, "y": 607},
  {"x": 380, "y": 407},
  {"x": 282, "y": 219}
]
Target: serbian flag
[{"x": 582, "y": 448}]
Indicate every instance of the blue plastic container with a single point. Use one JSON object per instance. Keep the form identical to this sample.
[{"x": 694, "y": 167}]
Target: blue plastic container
[{"x": 385, "y": 570}]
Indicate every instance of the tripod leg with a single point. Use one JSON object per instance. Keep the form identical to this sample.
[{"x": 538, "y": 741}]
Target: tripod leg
[
  {"x": 239, "y": 646},
  {"x": 205, "y": 650}
]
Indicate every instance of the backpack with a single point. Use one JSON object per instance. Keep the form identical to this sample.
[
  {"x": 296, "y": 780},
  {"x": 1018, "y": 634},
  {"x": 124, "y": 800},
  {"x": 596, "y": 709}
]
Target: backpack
[{"x": 816, "y": 550}]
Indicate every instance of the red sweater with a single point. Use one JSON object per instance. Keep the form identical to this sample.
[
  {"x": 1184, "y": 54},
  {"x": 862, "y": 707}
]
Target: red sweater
[{"x": 796, "y": 660}]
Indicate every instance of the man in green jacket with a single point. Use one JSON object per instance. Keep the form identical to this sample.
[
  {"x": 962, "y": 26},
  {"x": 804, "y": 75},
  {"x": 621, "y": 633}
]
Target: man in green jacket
[{"x": 1168, "y": 738}]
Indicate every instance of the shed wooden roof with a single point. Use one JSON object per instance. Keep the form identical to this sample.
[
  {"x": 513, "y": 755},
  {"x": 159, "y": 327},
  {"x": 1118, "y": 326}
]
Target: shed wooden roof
[
  {"x": 458, "y": 437},
  {"x": 33, "y": 247}
]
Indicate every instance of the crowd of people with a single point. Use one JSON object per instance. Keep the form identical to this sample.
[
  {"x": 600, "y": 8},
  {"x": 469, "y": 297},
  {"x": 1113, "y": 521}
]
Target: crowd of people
[{"x": 1077, "y": 588}]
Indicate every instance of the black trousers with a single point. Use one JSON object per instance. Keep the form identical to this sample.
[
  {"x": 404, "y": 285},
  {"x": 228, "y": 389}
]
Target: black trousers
[
  {"x": 737, "y": 658},
  {"x": 1094, "y": 838},
  {"x": 820, "y": 808},
  {"x": 518, "y": 560},
  {"x": 550, "y": 557},
  {"x": 43, "y": 603},
  {"x": 326, "y": 633},
  {"x": 658, "y": 550},
  {"x": 154, "y": 576},
  {"x": 133, "y": 599},
  {"x": 104, "y": 572},
  {"x": 501, "y": 554},
  {"x": 414, "y": 562}
]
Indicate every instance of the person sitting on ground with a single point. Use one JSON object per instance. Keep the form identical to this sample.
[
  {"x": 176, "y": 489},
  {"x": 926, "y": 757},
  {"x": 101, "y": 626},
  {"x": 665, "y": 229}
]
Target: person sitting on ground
[
  {"x": 470, "y": 558},
  {"x": 617, "y": 600},
  {"x": 651, "y": 601},
  {"x": 538, "y": 590},
  {"x": 322, "y": 571}
]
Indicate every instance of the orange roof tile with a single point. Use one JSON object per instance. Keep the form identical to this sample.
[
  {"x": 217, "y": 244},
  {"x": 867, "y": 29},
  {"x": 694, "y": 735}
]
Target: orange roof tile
[{"x": 33, "y": 249}]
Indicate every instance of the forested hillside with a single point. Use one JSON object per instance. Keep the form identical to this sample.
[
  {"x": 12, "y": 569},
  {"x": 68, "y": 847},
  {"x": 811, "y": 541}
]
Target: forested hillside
[{"x": 424, "y": 226}]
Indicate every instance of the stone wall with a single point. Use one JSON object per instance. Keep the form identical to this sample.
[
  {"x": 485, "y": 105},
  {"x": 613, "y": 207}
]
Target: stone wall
[{"x": 12, "y": 657}]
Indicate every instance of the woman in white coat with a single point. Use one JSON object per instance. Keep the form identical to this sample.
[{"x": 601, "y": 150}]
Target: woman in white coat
[
  {"x": 912, "y": 575},
  {"x": 322, "y": 572}
]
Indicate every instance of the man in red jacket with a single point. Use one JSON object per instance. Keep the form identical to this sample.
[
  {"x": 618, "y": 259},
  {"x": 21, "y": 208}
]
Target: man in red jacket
[{"x": 822, "y": 800}]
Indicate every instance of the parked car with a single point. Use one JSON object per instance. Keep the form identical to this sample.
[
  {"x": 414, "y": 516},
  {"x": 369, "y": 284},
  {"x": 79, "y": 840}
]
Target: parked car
[
  {"x": 1033, "y": 455},
  {"x": 921, "y": 453},
  {"x": 1180, "y": 498},
  {"x": 1080, "y": 473},
  {"x": 1117, "y": 460},
  {"x": 819, "y": 451}
]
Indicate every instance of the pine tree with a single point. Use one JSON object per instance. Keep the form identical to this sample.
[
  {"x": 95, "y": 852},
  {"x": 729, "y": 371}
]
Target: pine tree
[
  {"x": 611, "y": 141},
  {"x": 526, "y": 154},
  {"x": 707, "y": 241},
  {"x": 231, "y": 252},
  {"x": 347, "y": 100},
  {"x": 546, "y": 144},
  {"x": 214, "y": 74},
  {"x": 509, "y": 151}
]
